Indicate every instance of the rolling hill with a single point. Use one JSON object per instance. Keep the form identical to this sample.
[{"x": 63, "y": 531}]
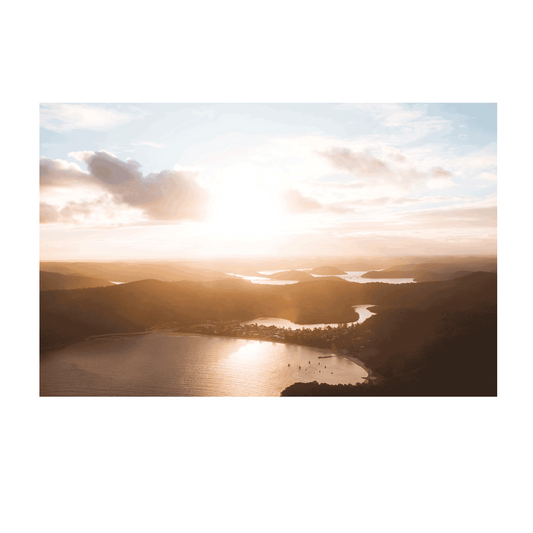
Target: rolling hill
[{"x": 51, "y": 281}]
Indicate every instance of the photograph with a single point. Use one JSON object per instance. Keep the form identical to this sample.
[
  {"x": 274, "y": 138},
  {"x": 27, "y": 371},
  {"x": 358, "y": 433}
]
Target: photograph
[
  {"x": 266, "y": 268},
  {"x": 268, "y": 249}
]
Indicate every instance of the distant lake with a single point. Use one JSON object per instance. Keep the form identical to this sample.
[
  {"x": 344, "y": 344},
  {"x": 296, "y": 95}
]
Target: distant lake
[
  {"x": 263, "y": 281},
  {"x": 363, "y": 311},
  {"x": 353, "y": 276},
  {"x": 167, "y": 364}
]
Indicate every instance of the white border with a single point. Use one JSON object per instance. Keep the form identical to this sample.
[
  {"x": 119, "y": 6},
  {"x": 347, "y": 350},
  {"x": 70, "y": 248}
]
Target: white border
[{"x": 30, "y": 96}]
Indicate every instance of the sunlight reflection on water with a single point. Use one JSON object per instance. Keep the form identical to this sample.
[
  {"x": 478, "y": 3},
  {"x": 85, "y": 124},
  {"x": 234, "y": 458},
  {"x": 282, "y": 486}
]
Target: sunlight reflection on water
[
  {"x": 164, "y": 364},
  {"x": 363, "y": 311},
  {"x": 352, "y": 276}
]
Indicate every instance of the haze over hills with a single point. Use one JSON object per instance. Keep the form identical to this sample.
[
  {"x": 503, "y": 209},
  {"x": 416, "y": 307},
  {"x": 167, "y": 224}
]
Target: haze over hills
[
  {"x": 207, "y": 270},
  {"x": 134, "y": 271},
  {"x": 416, "y": 275},
  {"x": 50, "y": 281},
  {"x": 327, "y": 271},
  {"x": 435, "y": 271},
  {"x": 292, "y": 275},
  {"x": 345, "y": 263},
  {"x": 449, "y": 266},
  {"x": 411, "y": 348}
]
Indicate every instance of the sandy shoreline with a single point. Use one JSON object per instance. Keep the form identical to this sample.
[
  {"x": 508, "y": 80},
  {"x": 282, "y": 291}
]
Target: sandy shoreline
[{"x": 356, "y": 361}]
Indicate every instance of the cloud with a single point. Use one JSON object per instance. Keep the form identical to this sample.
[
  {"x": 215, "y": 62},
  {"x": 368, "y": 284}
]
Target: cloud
[
  {"x": 68, "y": 117},
  {"x": 373, "y": 171},
  {"x": 89, "y": 209},
  {"x": 362, "y": 163},
  {"x": 411, "y": 122},
  {"x": 440, "y": 173},
  {"x": 295, "y": 202},
  {"x": 166, "y": 195},
  {"x": 440, "y": 179},
  {"x": 395, "y": 154},
  {"x": 59, "y": 173},
  {"x": 358, "y": 205},
  {"x": 48, "y": 213},
  {"x": 78, "y": 212},
  {"x": 484, "y": 159},
  {"x": 440, "y": 184},
  {"x": 387, "y": 201},
  {"x": 490, "y": 176},
  {"x": 452, "y": 217},
  {"x": 83, "y": 155}
]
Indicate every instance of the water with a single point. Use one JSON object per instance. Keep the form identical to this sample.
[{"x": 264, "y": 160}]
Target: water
[
  {"x": 356, "y": 278},
  {"x": 263, "y": 281},
  {"x": 166, "y": 364},
  {"x": 353, "y": 276},
  {"x": 363, "y": 311}
]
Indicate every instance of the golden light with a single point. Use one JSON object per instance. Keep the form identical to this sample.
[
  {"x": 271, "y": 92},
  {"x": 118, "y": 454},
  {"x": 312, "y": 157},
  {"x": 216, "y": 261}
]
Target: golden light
[{"x": 243, "y": 209}]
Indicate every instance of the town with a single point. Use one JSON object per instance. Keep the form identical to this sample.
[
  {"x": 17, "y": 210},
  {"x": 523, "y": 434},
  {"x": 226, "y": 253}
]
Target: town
[{"x": 344, "y": 339}]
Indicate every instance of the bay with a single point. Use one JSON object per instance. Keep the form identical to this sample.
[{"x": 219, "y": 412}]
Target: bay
[{"x": 168, "y": 364}]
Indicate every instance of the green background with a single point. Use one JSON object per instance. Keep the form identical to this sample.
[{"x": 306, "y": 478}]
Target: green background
[{"x": 260, "y": 474}]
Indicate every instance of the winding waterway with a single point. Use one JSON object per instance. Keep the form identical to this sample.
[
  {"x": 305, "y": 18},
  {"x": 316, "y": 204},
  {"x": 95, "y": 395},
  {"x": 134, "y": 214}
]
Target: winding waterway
[
  {"x": 163, "y": 363},
  {"x": 363, "y": 311}
]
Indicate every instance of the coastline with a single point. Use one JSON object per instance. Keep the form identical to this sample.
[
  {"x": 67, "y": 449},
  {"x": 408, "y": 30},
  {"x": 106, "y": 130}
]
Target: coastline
[
  {"x": 75, "y": 341},
  {"x": 65, "y": 344},
  {"x": 372, "y": 376},
  {"x": 172, "y": 333}
]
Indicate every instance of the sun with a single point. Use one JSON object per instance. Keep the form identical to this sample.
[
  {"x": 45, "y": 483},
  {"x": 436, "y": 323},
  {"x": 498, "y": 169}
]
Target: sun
[{"x": 244, "y": 208}]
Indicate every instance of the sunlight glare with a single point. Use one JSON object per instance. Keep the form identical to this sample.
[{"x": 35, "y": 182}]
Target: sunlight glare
[{"x": 244, "y": 208}]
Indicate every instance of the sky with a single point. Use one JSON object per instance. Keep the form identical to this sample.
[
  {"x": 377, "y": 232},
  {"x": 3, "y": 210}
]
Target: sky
[{"x": 185, "y": 181}]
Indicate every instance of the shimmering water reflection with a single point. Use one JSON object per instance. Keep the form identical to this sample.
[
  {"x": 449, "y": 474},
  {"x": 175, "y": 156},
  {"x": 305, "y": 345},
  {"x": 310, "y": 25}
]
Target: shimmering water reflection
[
  {"x": 363, "y": 311},
  {"x": 165, "y": 364},
  {"x": 353, "y": 276}
]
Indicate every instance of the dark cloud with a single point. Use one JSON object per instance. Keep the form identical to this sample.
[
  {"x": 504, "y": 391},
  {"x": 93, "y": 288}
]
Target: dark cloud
[{"x": 166, "y": 195}]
